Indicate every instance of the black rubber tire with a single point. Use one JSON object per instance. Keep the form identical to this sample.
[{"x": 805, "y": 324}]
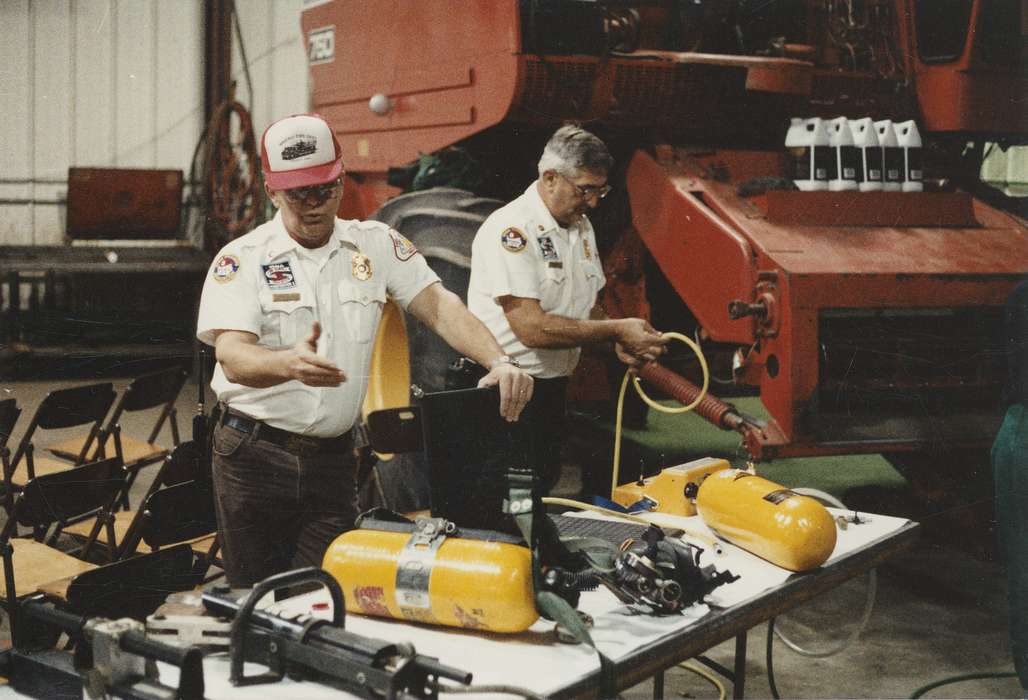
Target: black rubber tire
[{"x": 442, "y": 223}]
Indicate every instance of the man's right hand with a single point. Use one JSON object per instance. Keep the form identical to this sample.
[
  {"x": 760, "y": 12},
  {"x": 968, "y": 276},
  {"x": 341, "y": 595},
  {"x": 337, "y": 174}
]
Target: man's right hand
[
  {"x": 640, "y": 340},
  {"x": 307, "y": 366}
]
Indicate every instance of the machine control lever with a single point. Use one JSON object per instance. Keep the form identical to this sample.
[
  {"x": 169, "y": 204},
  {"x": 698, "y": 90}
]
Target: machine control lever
[{"x": 738, "y": 308}]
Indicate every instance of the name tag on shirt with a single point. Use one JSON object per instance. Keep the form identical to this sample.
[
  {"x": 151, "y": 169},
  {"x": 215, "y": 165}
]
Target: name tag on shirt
[
  {"x": 558, "y": 265},
  {"x": 293, "y": 296}
]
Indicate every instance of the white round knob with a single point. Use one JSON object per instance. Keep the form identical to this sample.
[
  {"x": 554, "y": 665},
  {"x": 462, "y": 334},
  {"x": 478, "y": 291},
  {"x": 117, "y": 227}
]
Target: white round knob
[{"x": 380, "y": 103}]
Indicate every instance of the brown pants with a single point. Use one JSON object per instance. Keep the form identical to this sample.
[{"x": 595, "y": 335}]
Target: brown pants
[{"x": 277, "y": 510}]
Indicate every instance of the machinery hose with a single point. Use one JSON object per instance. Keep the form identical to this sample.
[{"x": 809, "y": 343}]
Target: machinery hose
[
  {"x": 869, "y": 602},
  {"x": 841, "y": 645},
  {"x": 692, "y": 399},
  {"x": 957, "y": 679},
  {"x": 706, "y": 675}
]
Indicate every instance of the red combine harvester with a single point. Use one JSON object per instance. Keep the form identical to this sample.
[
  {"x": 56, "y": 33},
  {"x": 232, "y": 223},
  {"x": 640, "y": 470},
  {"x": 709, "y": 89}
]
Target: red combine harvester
[{"x": 867, "y": 321}]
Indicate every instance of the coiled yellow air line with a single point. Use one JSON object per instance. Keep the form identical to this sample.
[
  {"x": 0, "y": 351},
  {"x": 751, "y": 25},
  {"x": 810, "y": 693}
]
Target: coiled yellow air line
[{"x": 653, "y": 404}]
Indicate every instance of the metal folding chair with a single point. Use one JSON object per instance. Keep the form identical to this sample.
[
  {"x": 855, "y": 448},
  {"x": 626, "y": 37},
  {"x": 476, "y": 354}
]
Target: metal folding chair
[
  {"x": 66, "y": 408},
  {"x": 46, "y": 502},
  {"x": 157, "y": 392},
  {"x": 182, "y": 464}
]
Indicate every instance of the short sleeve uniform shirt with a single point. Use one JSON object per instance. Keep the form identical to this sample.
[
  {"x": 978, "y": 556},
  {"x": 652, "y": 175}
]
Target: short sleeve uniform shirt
[
  {"x": 267, "y": 284},
  {"x": 521, "y": 251}
]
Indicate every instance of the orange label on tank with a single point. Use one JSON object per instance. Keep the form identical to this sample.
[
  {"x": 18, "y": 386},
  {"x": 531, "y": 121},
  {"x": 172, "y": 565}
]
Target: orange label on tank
[
  {"x": 371, "y": 600},
  {"x": 468, "y": 620}
]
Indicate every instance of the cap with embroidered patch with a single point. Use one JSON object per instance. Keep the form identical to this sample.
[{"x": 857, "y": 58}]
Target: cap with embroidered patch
[{"x": 299, "y": 151}]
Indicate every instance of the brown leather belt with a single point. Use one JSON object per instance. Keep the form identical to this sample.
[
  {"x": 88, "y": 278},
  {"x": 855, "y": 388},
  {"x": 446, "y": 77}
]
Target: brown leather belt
[{"x": 291, "y": 442}]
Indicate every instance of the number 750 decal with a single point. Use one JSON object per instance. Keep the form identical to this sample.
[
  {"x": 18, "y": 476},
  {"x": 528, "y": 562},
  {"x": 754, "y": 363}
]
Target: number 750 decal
[{"x": 322, "y": 45}]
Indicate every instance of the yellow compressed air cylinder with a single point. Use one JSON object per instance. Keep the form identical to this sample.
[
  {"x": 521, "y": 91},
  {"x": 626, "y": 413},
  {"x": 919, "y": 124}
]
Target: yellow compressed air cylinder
[
  {"x": 457, "y": 582},
  {"x": 792, "y": 531}
]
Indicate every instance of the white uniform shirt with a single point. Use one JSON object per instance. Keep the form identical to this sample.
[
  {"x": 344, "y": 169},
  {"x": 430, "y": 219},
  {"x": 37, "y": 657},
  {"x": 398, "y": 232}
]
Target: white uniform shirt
[
  {"x": 521, "y": 251},
  {"x": 267, "y": 284}
]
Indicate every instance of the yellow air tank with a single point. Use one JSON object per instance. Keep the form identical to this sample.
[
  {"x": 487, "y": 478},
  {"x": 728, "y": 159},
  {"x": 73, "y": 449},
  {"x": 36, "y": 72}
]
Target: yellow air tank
[
  {"x": 777, "y": 524},
  {"x": 450, "y": 581}
]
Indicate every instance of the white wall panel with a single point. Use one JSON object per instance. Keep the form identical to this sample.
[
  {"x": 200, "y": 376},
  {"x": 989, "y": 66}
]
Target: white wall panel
[
  {"x": 119, "y": 83},
  {"x": 93, "y": 100},
  {"x": 52, "y": 115},
  {"x": 16, "y": 90},
  {"x": 135, "y": 85},
  {"x": 277, "y": 57},
  {"x": 179, "y": 101}
]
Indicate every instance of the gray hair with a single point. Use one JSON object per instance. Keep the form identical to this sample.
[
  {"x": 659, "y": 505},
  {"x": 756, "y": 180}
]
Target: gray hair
[{"x": 572, "y": 149}]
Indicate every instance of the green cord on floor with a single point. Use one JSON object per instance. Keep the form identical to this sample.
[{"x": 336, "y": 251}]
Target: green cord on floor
[{"x": 956, "y": 679}]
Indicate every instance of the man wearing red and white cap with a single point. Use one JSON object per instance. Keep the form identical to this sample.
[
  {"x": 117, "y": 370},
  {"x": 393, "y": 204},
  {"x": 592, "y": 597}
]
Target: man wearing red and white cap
[{"x": 291, "y": 309}]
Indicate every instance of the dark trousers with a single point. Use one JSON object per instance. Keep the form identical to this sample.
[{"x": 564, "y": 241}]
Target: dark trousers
[
  {"x": 1010, "y": 472},
  {"x": 277, "y": 510}
]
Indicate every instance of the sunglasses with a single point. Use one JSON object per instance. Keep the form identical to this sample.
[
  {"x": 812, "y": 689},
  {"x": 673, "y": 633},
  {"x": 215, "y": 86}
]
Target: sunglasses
[
  {"x": 588, "y": 191},
  {"x": 320, "y": 193}
]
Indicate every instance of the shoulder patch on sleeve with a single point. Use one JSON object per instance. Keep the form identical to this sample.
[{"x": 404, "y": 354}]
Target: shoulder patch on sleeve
[
  {"x": 513, "y": 240},
  {"x": 225, "y": 268},
  {"x": 403, "y": 249}
]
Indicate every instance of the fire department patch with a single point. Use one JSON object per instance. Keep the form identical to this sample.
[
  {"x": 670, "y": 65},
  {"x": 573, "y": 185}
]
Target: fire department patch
[
  {"x": 279, "y": 275},
  {"x": 547, "y": 248},
  {"x": 402, "y": 248},
  {"x": 225, "y": 269},
  {"x": 360, "y": 266},
  {"x": 513, "y": 240}
]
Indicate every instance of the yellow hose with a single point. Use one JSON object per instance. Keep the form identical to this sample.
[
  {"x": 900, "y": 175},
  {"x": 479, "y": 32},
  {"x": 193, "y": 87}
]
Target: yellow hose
[{"x": 653, "y": 404}]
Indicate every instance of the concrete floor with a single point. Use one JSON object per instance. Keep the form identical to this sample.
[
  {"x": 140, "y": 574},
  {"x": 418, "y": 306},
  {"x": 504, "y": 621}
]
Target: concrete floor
[{"x": 939, "y": 612}]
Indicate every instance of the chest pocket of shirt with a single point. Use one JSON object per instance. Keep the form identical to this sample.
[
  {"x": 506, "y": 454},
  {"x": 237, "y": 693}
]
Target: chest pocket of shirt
[
  {"x": 284, "y": 322},
  {"x": 586, "y": 299},
  {"x": 360, "y": 307},
  {"x": 551, "y": 289}
]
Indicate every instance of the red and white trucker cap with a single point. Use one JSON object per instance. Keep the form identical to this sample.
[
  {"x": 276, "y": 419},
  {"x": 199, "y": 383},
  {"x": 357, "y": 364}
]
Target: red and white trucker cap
[{"x": 299, "y": 151}]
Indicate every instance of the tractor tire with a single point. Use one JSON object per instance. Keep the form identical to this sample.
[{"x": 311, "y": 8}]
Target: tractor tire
[{"x": 441, "y": 223}]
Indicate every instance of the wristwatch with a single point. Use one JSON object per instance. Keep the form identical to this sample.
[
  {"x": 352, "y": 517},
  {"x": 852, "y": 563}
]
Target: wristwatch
[{"x": 504, "y": 359}]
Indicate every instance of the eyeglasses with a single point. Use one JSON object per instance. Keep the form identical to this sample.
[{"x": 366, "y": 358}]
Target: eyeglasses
[
  {"x": 588, "y": 191},
  {"x": 320, "y": 193}
]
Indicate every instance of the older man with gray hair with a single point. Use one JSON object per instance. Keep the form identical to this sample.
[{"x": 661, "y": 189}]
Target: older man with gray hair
[{"x": 535, "y": 276}]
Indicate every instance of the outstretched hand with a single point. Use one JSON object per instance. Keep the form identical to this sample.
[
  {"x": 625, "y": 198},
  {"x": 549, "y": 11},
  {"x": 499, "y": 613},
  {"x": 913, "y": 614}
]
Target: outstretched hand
[
  {"x": 516, "y": 386},
  {"x": 307, "y": 366}
]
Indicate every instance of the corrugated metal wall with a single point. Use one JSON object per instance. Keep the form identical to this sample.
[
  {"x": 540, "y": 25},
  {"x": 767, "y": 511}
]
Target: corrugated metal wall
[{"x": 119, "y": 83}]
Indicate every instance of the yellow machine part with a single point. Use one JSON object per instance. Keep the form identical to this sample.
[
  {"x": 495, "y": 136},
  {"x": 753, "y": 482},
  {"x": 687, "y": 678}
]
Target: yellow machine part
[
  {"x": 793, "y": 531},
  {"x": 389, "y": 373},
  {"x": 463, "y": 583},
  {"x": 667, "y": 489}
]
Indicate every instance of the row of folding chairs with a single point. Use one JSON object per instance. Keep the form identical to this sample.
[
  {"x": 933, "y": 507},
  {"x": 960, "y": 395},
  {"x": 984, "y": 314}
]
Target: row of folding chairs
[
  {"x": 89, "y": 407},
  {"x": 78, "y": 494},
  {"x": 175, "y": 521}
]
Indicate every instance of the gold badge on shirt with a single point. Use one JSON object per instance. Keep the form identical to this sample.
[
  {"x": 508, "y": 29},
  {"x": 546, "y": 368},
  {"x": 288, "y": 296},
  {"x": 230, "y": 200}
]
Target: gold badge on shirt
[
  {"x": 360, "y": 266},
  {"x": 586, "y": 249}
]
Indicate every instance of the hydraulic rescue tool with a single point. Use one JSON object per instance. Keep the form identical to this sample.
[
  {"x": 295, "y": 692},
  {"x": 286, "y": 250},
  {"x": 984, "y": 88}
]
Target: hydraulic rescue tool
[
  {"x": 308, "y": 647},
  {"x": 114, "y": 658}
]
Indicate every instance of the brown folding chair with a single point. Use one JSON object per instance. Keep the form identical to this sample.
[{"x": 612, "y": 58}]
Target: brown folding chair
[
  {"x": 30, "y": 565},
  {"x": 169, "y": 514},
  {"x": 157, "y": 390},
  {"x": 64, "y": 408},
  {"x": 183, "y": 464}
]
